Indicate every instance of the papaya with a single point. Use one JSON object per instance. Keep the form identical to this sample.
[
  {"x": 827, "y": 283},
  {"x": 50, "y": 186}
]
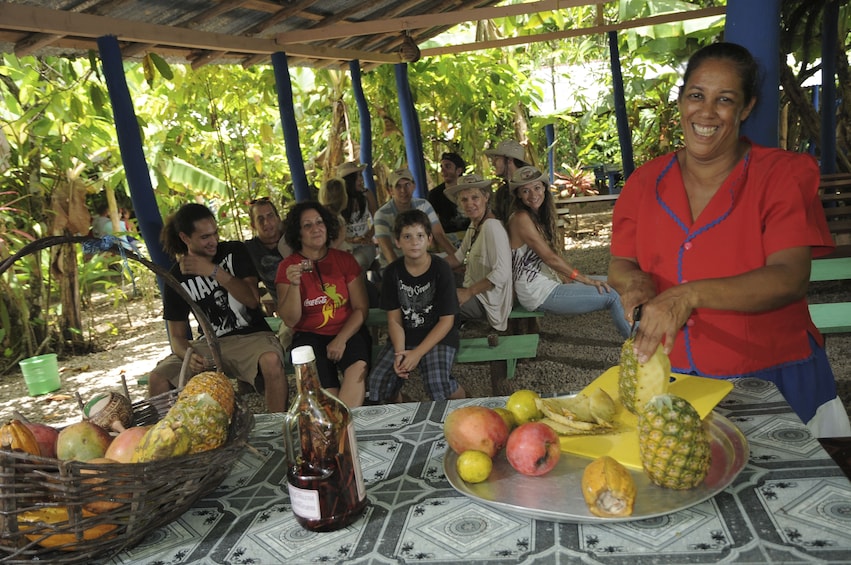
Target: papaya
[{"x": 608, "y": 488}]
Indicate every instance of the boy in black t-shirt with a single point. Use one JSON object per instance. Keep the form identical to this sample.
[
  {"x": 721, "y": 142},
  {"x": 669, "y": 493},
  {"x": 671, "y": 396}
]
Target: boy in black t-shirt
[{"x": 418, "y": 293}]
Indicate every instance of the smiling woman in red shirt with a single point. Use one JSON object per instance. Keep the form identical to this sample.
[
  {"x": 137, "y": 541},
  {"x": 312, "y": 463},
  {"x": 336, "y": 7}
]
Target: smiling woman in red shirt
[
  {"x": 715, "y": 242},
  {"x": 322, "y": 297}
]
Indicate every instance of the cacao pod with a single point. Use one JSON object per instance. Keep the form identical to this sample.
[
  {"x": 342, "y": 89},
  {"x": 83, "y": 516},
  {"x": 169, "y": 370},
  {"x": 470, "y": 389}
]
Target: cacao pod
[{"x": 16, "y": 436}]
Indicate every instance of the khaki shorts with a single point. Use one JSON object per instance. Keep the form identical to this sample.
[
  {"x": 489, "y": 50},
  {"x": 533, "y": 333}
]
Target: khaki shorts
[{"x": 240, "y": 357}]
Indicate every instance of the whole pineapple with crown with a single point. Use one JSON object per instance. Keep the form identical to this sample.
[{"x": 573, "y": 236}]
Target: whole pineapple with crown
[
  {"x": 639, "y": 382},
  {"x": 215, "y": 384},
  {"x": 673, "y": 443}
]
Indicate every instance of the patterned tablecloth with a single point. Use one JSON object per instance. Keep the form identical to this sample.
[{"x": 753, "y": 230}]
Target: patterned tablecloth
[{"x": 790, "y": 504}]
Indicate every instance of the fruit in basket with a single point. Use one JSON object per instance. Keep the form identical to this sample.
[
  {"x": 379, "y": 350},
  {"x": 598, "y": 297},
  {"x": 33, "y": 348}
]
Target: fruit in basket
[
  {"x": 204, "y": 418},
  {"x": 215, "y": 384},
  {"x": 639, "y": 382},
  {"x": 475, "y": 427},
  {"x": 166, "y": 438},
  {"x": 522, "y": 403},
  {"x": 474, "y": 466},
  {"x": 45, "y": 436},
  {"x": 674, "y": 445},
  {"x": 608, "y": 488},
  {"x": 16, "y": 436},
  {"x": 124, "y": 444},
  {"x": 82, "y": 441},
  {"x": 111, "y": 411},
  {"x": 99, "y": 486},
  {"x": 55, "y": 518},
  {"x": 533, "y": 449}
]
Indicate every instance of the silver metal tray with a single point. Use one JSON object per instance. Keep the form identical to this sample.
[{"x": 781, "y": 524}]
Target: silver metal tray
[{"x": 557, "y": 495}]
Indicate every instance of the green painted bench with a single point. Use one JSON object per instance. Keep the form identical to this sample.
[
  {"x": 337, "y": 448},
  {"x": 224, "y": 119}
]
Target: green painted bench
[{"x": 832, "y": 317}]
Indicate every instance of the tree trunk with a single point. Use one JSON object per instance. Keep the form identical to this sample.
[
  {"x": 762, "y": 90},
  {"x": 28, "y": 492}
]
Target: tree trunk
[{"x": 69, "y": 290}]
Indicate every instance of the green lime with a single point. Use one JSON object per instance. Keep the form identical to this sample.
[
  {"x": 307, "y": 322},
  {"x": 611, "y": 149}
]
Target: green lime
[
  {"x": 522, "y": 404},
  {"x": 474, "y": 466}
]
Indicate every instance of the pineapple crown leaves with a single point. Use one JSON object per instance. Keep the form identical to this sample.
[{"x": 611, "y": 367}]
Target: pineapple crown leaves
[{"x": 667, "y": 402}]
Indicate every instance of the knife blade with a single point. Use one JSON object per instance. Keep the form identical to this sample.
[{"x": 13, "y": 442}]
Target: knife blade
[{"x": 636, "y": 316}]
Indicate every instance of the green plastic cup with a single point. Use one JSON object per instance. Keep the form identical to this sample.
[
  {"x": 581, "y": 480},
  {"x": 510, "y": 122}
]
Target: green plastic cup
[{"x": 41, "y": 373}]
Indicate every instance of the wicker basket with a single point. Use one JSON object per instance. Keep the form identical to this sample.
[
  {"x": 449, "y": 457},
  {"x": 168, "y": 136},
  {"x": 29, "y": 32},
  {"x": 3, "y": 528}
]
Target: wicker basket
[{"x": 104, "y": 509}]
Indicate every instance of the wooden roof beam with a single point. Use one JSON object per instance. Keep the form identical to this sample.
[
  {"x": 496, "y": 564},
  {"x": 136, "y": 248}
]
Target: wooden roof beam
[
  {"x": 28, "y": 18},
  {"x": 440, "y": 19},
  {"x": 555, "y": 35}
]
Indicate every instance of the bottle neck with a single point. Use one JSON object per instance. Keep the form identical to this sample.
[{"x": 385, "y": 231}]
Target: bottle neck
[{"x": 307, "y": 378}]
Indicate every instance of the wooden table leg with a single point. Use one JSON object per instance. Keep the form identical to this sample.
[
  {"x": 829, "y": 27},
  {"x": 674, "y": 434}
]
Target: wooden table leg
[{"x": 499, "y": 378}]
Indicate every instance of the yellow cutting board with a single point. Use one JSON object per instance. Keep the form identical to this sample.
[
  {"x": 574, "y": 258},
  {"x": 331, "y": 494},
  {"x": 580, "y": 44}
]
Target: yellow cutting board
[{"x": 704, "y": 394}]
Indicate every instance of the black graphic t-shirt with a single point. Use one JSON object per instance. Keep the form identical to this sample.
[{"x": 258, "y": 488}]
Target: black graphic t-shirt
[
  {"x": 423, "y": 299},
  {"x": 226, "y": 314}
]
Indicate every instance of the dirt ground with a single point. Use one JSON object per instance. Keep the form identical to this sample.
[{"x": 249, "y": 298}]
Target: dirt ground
[{"x": 573, "y": 350}]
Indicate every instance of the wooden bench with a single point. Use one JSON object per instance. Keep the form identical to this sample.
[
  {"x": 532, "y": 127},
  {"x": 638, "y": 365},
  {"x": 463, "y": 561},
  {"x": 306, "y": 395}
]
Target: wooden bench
[
  {"x": 832, "y": 317},
  {"x": 567, "y": 206},
  {"x": 835, "y": 193}
]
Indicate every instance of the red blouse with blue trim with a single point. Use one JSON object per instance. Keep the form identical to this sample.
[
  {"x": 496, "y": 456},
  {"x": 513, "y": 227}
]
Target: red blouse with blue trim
[{"x": 768, "y": 203}]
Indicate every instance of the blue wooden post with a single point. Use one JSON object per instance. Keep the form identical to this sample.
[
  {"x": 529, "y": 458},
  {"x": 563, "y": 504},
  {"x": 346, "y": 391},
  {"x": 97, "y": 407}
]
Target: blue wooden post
[
  {"x": 411, "y": 130},
  {"x": 132, "y": 154},
  {"x": 550, "y": 130},
  {"x": 291, "y": 142},
  {"x": 624, "y": 134},
  {"x": 756, "y": 25},
  {"x": 829, "y": 38},
  {"x": 365, "y": 125},
  {"x": 811, "y": 144}
]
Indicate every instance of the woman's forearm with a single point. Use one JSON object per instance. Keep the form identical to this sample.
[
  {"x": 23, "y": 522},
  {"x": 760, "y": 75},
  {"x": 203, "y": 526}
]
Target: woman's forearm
[{"x": 289, "y": 304}]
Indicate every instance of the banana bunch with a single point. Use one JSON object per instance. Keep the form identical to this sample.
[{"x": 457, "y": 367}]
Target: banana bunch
[{"x": 583, "y": 414}]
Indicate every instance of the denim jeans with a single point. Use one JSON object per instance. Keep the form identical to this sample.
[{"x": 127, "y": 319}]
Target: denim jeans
[{"x": 578, "y": 298}]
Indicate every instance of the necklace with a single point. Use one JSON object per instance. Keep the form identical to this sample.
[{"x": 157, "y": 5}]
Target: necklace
[{"x": 476, "y": 229}]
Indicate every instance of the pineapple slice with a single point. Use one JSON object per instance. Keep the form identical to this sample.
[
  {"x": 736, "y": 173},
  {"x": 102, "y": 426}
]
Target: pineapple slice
[{"x": 637, "y": 382}]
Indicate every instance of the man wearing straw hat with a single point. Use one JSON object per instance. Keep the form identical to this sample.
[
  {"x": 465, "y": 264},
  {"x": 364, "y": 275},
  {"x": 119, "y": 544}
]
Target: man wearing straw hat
[{"x": 507, "y": 157}]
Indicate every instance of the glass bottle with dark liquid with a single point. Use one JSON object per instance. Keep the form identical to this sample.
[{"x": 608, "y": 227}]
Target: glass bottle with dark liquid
[{"x": 324, "y": 477}]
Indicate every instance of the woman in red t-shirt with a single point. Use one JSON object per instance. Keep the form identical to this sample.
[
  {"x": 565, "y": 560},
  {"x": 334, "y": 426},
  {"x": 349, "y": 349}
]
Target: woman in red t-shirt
[
  {"x": 322, "y": 297},
  {"x": 715, "y": 242}
]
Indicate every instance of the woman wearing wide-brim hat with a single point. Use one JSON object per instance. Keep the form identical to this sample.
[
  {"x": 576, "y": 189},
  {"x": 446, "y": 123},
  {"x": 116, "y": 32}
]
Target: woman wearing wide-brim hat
[
  {"x": 543, "y": 279},
  {"x": 486, "y": 293}
]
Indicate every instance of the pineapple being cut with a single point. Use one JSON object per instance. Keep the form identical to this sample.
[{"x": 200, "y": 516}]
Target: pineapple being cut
[
  {"x": 639, "y": 382},
  {"x": 674, "y": 445}
]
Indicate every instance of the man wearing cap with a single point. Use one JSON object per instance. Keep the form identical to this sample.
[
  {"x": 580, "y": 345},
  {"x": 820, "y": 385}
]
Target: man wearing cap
[
  {"x": 507, "y": 157},
  {"x": 402, "y": 199},
  {"x": 453, "y": 221}
]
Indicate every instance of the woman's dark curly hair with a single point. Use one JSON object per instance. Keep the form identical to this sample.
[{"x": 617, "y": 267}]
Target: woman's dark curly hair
[{"x": 292, "y": 223}]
